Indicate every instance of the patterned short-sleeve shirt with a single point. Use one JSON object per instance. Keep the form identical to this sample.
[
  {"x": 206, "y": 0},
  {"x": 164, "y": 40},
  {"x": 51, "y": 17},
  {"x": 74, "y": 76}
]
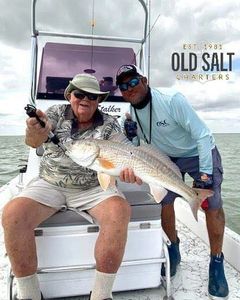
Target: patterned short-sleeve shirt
[{"x": 57, "y": 168}]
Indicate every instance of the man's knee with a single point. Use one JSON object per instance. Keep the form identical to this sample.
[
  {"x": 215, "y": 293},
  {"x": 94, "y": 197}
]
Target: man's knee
[
  {"x": 16, "y": 214},
  {"x": 215, "y": 221},
  {"x": 216, "y": 216},
  {"x": 118, "y": 212},
  {"x": 121, "y": 210}
]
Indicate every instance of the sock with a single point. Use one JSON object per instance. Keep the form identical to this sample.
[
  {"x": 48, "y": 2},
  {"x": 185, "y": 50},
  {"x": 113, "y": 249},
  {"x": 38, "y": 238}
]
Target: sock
[
  {"x": 102, "y": 288},
  {"x": 28, "y": 287}
]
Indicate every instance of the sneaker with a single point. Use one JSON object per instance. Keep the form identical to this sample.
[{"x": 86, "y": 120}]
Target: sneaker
[
  {"x": 217, "y": 284},
  {"x": 175, "y": 258}
]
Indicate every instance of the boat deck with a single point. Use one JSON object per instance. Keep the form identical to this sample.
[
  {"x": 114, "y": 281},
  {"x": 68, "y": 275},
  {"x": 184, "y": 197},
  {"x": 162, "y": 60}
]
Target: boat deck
[{"x": 190, "y": 282}]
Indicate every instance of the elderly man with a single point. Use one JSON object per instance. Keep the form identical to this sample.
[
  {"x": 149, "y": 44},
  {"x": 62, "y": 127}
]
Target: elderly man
[
  {"x": 165, "y": 119},
  {"x": 63, "y": 182}
]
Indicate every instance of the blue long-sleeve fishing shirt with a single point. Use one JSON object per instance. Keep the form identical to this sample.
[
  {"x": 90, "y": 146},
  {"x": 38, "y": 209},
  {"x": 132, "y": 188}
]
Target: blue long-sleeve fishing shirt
[{"x": 177, "y": 130}]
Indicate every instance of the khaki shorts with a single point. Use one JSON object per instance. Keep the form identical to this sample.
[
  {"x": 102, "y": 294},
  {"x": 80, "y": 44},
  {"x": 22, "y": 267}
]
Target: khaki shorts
[{"x": 63, "y": 198}]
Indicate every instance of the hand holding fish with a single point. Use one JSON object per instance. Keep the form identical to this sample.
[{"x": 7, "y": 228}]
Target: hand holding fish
[
  {"x": 205, "y": 181},
  {"x": 127, "y": 175}
]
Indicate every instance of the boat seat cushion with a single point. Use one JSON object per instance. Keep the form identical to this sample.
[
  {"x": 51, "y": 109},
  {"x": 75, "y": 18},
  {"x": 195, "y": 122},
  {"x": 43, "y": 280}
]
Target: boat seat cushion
[{"x": 143, "y": 208}]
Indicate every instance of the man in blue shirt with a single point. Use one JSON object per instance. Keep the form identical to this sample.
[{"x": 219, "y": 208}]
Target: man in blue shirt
[{"x": 165, "y": 119}]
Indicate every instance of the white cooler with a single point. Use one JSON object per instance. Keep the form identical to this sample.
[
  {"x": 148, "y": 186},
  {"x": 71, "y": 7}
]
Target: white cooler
[{"x": 65, "y": 247}]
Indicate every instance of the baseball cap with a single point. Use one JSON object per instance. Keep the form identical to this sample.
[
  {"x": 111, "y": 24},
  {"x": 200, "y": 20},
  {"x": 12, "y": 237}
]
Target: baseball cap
[{"x": 127, "y": 70}]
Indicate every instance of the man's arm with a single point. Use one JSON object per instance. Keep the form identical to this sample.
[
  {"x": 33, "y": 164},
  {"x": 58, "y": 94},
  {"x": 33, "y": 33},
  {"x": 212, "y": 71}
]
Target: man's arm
[{"x": 187, "y": 117}]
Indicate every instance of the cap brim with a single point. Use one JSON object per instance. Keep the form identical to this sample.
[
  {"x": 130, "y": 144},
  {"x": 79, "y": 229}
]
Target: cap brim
[
  {"x": 124, "y": 75},
  {"x": 129, "y": 70}
]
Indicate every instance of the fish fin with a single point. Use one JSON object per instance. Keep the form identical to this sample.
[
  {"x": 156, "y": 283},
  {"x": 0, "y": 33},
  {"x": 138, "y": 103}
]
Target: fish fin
[
  {"x": 194, "y": 207},
  {"x": 158, "y": 192},
  {"x": 150, "y": 149},
  {"x": 202, "y": 194},
  {"x": 106, "y": 181},
  {"x": 106, "y": 164}
]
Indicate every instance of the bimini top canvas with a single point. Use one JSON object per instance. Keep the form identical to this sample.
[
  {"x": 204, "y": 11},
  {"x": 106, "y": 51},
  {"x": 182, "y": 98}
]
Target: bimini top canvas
[{"x": 60, "y": 62}]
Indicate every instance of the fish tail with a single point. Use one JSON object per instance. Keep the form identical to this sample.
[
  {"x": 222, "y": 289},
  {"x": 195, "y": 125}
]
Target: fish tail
[{"x": 202, "y": 194}]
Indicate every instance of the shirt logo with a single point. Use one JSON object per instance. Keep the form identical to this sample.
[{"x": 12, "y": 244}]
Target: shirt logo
[{"x": 162, "y": 123}]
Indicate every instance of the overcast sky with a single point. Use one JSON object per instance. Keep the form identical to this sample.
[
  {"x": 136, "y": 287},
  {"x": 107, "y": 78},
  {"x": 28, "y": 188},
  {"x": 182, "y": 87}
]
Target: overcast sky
[{"x": 180, "y": 22}]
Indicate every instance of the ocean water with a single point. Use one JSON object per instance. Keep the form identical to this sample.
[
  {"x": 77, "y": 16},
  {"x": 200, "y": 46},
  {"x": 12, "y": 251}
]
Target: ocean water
[
  {"x": 13, "y": 151},
  {"x": 13, "y": 155}
]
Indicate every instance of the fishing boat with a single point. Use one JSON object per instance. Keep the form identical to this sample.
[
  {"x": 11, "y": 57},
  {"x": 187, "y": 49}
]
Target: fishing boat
[{"x": 65, "y": 241}]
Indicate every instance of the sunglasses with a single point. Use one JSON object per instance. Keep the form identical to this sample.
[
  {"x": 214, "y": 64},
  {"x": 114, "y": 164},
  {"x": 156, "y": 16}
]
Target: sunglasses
[
  {"x": 132, "y": 83},
  {"x": 81, "y": 95}
]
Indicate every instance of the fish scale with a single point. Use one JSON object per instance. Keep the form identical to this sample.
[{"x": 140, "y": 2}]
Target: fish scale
[{"x": 142, "y": 164}]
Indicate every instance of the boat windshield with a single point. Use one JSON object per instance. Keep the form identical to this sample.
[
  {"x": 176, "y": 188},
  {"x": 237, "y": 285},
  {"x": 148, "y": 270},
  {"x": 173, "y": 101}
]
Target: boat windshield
[{"x": 60, "y": 62}]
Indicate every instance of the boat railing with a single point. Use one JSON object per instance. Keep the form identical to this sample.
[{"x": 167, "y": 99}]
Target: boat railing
[{"x": 35, "y": 32}]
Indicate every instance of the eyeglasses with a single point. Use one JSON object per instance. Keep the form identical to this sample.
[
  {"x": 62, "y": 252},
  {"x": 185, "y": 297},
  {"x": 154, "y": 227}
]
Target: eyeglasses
[
  {"x": 132, "y": 83},
  {"x": 81, "y": 95}
]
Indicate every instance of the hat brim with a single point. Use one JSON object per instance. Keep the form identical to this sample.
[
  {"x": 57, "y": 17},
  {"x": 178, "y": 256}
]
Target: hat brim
[
  {"x": 124, "y": 75},
  {"x": 71, "y": 87}
]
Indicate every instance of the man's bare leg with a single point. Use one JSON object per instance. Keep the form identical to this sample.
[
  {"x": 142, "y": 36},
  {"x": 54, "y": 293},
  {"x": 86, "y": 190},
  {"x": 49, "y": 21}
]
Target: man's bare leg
[
  {"x": 113, "y": 216},
  {"x": 168, "y": 221},
  {"x": 19, "y": 219}
]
